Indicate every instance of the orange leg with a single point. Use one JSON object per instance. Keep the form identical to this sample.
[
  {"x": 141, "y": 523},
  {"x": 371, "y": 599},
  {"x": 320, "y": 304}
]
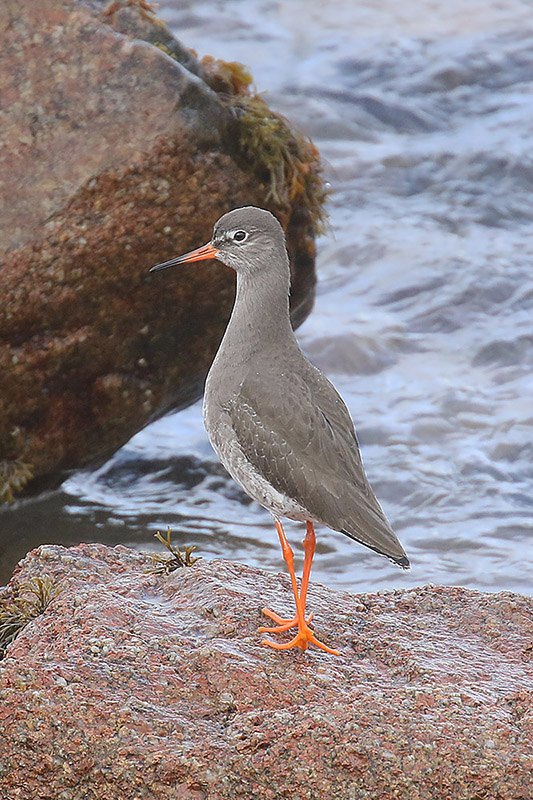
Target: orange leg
[
  {"x": 309, "y": 548},
  {"x": 305, "y": 635}
]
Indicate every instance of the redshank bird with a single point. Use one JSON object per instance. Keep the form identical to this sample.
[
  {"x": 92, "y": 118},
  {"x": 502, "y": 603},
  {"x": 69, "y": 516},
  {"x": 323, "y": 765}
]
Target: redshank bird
[{"x": 278, "y": 425}]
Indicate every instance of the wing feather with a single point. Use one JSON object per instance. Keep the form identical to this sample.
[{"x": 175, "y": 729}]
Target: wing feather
[{"x": 304, "y": 445}]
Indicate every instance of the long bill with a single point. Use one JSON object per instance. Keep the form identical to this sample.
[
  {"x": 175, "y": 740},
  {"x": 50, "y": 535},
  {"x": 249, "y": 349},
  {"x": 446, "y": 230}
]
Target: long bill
[{"x": 200, "y": 254}]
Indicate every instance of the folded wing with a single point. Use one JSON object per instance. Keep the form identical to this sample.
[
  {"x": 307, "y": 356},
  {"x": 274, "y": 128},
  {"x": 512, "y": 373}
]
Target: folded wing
[{"x": 308, "y": 451}]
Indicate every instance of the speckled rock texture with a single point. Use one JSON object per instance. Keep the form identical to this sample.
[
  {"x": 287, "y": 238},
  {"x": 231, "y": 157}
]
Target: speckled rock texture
[
  {"x": 140, "y": 685},
  {"x": 119, "y": 149}
]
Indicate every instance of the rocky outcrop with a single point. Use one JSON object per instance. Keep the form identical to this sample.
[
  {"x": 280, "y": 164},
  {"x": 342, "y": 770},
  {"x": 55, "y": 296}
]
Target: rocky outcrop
[
  {"x": 139, "y": 684},
  {"x": 119, "y": 150}
]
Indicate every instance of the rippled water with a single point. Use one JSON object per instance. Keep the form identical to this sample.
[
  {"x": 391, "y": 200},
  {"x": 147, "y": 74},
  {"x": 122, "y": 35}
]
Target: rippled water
[{"x": 424, "y": 116}]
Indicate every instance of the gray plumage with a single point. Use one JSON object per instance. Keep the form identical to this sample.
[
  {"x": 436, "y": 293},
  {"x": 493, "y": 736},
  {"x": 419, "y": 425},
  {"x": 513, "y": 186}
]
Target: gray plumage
[{"x": 277, "y": 423}]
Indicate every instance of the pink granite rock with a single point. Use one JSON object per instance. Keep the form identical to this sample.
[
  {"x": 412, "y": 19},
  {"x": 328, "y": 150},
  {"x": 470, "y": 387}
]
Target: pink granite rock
[{"x": 134, "y": 685}]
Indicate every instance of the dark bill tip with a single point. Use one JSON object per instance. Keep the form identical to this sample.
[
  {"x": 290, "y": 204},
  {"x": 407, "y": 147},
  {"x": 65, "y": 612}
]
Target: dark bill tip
[{"x": 200, "y": 254}]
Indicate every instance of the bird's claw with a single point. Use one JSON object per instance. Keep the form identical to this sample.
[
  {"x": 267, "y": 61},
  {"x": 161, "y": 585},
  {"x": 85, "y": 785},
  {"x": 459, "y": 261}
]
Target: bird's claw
[
  {"x": 303, "y": 639},
  {"x": 283, "y": 624}
]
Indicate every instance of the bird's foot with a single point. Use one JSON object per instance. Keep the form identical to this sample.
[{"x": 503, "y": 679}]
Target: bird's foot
[
  {"x": 283, "y": 624},
  {"x": 305, "y": 635},
  {"x": 303, "y": 638}
]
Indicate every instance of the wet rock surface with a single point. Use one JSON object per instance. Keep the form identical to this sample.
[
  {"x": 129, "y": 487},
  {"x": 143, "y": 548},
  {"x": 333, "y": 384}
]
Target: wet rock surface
[
  {"x": 119, "y": 150},
  {"x": 140, "y": 685}
]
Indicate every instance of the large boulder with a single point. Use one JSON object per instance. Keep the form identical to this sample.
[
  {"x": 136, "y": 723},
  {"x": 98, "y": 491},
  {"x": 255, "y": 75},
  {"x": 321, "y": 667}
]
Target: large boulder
[
  {"x": 119, "y": 150},
  {"x": 138, "y": 684}
]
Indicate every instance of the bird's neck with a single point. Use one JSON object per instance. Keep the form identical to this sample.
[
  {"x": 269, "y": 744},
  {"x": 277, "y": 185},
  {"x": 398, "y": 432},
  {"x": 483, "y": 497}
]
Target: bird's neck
[{"x": 260, "y": 319}]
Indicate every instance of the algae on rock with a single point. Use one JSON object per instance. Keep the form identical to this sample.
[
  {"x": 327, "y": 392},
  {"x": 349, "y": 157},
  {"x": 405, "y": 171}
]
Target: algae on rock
[
  {"x": 26, "y": 603},
  {"x": 166, "y": 564},
  {"x": 14, "y": 475}
]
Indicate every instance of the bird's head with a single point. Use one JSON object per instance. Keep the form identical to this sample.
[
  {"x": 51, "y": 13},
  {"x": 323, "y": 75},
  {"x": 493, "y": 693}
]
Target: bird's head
[{"x": 247, "y": 239}]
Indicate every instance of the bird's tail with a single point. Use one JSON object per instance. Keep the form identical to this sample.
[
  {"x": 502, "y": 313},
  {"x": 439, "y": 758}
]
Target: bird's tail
[{"x": 389, "y": 546}]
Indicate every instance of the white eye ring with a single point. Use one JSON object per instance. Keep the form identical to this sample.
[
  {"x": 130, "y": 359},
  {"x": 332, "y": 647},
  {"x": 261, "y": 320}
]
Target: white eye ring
[{"x": 239, "y": 236}]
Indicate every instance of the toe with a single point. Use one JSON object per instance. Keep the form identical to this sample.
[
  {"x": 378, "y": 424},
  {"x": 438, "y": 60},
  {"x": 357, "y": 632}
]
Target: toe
[
  {"x": 296, "y": 642},
  {"x": 277, "y": 628},
  {"x": 274, "y": 616},
  {"x": 322, "y": 646}
]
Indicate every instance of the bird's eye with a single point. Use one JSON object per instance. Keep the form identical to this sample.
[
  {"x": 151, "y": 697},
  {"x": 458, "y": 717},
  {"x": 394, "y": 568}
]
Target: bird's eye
[{"x": 240, "y": 236}]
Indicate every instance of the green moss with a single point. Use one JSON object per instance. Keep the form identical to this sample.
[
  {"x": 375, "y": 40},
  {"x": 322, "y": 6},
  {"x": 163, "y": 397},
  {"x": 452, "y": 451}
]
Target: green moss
[
  {"x": 146, "y": 10},
  {"x": 230, "y": 77},
  {"x": 14, "y": 475},
  {"x": 286, "y": 162},
  {"x": 164, "y": 48},
  {"x": 166, "y": 564},
  {"x": 25, "y": 604}
]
